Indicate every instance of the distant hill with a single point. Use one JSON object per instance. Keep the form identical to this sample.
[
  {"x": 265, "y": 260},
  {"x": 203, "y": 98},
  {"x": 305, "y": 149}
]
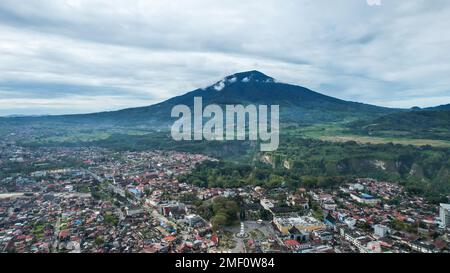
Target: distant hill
[
  {"x": 429, "y": 123},
  {"x": 297, "y": 104},
  {"x": 443, "y": 107}
]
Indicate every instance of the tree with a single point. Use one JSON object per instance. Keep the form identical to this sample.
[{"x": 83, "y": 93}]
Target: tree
[
  {"x": 99, "y": 241},
  {"x": 265, "y": 215},
  {"x": 218, "y": 221}
]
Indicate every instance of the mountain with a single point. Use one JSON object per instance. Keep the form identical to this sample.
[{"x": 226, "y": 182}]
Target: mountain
[
  {"x": 297, "y": 104},
  {"x": 443, "y": 107}
]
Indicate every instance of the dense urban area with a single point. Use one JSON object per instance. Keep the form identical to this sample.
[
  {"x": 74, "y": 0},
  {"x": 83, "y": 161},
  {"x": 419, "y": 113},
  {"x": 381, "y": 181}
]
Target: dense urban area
[
  {"x": 97, "y": 200},
  {"x": 258, "y": 131}
]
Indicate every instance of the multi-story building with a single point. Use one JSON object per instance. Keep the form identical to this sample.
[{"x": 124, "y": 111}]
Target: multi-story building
[
  {"x": 444, "y": 215},
  {"x": 380, "y": 230},
  {"x": 303, "y": 223}
]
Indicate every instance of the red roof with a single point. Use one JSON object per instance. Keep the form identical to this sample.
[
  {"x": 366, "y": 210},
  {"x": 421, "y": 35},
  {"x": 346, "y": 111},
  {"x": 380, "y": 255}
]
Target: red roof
[
  {"x": 64, "y": 233},
  {"x": 440, "y": 244},
  {"x": 291, "y": 243},
  {"x": 215, "y": 239},
  {"x": 170, "y": 238}
]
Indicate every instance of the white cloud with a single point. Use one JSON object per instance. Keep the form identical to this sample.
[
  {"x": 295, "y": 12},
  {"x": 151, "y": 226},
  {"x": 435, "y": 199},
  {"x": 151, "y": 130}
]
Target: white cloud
[{"x": 143, "y": 52}]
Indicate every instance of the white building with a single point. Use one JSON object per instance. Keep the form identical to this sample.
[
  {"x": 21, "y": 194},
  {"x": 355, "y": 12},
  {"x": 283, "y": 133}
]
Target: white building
[
  {"x": 357, "y": 187},
  {"x": 444, "y": 215},
  {"x": 267, "y": 204},
  {"x": 380, "y": 230},
  {"x": 364, "y": 243},
  {"x": 194, "y": 220},
  {"x": 365, "y": 199},
  {"x": 69, "y": 188},
  {"x": 350, "y": 222}
]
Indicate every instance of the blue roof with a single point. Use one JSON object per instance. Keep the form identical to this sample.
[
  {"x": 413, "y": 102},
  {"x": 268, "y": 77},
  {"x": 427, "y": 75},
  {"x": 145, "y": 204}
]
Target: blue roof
[
  {"x": 366, "y": 196},
  {"x": 135, "y": 191}
]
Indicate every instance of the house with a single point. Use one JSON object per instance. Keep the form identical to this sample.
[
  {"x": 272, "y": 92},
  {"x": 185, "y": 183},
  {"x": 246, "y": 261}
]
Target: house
[
  {"x": 323, "y": 235},
  {"x": 300, "y": 236},
  {"x": 292, "y": 244}
]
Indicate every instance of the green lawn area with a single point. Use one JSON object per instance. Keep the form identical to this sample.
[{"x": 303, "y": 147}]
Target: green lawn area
[
  {"x": 227, "y": 240},
  {"x": 38, "y": 230},
  {"x": 336, "y": 132},
  {"x": 257, "y": 234}
]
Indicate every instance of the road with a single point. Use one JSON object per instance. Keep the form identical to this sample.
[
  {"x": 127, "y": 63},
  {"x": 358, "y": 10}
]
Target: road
[
  {"x": 11, "y": 195},
  {"x": 265, "y": 228},
  {"x": 57, "y": 226}
]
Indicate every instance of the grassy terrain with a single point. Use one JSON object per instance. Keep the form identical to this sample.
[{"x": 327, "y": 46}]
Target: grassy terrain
[
  {"x": 337, "y": 132},
  {"x": 412, "y": 125},
  {"x": 75, "y": 135}
]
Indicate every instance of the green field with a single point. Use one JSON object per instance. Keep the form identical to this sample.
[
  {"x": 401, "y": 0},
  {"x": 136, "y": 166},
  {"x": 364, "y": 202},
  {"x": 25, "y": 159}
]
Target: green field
[{"x": 337, "y": 132}]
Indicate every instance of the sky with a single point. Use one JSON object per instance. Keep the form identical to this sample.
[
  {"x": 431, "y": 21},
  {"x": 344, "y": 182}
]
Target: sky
[{"x": 75, "y": 56}]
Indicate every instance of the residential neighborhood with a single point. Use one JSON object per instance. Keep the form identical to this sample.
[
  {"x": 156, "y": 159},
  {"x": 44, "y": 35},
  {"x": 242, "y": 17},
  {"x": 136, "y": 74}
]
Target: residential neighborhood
[{"x": 133, "y": 202}]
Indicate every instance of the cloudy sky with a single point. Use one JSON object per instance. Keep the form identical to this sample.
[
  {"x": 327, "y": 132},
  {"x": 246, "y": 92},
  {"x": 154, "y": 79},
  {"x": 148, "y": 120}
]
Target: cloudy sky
[{"x": 75, "y": 56}]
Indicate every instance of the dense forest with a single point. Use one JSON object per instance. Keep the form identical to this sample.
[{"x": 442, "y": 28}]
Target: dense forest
[
  {"x": 313, "y": 163},
  {"x": 221, "y": 212},
  {"x": 224, "y": 174}
]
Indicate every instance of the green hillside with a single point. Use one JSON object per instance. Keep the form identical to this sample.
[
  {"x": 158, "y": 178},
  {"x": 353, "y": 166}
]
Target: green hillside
[{"x": 415, "y": 124}]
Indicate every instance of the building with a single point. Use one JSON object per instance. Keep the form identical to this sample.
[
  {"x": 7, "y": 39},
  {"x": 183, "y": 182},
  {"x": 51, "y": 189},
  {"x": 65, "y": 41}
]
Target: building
[
  {"x": 323, "y": 235},
  {"x": 303, "y": 223},
  {"x": 444, "y": 215},
  {"x": 173, "y": 209},
  {"x": 329, "y": 206},
  {"x": 364, "y": 243},
  {"x": 267, "y": 204},
  {"x": 380, "y": 230},
  {"x": 350, "y": 222},
  {"x": 365, "y": 199},
  {"x": 357, "y": 187},
  {"x": 194, "y": 220}
]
